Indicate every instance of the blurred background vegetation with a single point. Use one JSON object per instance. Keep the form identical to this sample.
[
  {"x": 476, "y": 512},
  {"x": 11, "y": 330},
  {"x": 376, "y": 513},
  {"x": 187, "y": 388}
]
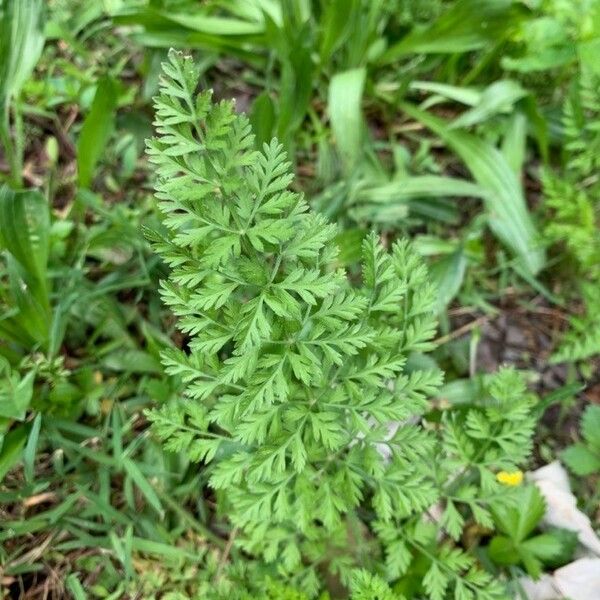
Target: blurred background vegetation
[{"x": 472, "y": 126}]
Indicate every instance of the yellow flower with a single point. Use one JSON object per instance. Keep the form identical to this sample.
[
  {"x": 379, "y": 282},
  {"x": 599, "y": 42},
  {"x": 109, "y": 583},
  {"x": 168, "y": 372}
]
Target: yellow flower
[{"x": 513, "y": 478}]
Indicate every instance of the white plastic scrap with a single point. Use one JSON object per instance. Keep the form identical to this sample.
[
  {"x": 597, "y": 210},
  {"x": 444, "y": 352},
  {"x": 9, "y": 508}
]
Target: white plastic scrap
[
  {"x": 561, "y": 505},
  {"x": 579, "y": 580}
]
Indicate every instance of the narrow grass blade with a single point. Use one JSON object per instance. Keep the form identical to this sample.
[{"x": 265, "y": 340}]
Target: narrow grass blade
[
  {"x": 462, "y": 94},
  {"x": 31, "y": 447},
  {"x": 75, "y": 588}
]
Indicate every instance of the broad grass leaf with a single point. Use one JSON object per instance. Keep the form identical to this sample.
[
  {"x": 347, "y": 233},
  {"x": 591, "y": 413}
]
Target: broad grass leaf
[
  {"x": 262, "y": 119},
  {"x": 345, "y": 96},
  {"x": 21, "y": 43},
  {"x": 467, "y": 25},
  {"x": 75, "y": 588},
  {"x": 496, "y": 98},
  {"x": 28, "y": 322},
  {"x": 515, "y": 141},
  {"x": 448, "y": 274},
  {"x": 335, "y": 23},
  {"x": 24, "y": 234},
  {"x": 256, "y": 9},
  {"x": 296, "y": 82},
  {"x": 198, "y": 28},
  {"x": 216, "y": 25},
  {"x": 29, "y": 453},
  {"x": 421, "y": 186},
  {"x": 24, "y": 230},
  {"x": 96, "y": 130},
  {"x": 508, "y": 215},
  {"x": 425, "y": 196}
]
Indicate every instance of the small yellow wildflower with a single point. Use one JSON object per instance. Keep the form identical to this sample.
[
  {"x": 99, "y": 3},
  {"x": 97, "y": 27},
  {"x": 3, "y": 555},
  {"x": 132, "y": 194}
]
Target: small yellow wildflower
[{"x": 513, "y": 478}]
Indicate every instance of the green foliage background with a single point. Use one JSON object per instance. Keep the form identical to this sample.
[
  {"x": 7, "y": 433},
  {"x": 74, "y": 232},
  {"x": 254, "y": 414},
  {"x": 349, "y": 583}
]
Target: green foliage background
[{"x": 267, "y": 380}]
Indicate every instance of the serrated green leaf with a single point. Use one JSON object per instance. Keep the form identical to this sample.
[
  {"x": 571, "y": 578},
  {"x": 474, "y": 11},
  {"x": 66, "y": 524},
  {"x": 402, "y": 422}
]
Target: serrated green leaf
[
  {"x": 518, "y": 520},
  {"x": 452, "y": 521},
  {"x": 544, "y": 546},
  {"x": 590, "y": 426},
  {"x": 435, "y": 582},
  {"x": 581, "y": 460}
]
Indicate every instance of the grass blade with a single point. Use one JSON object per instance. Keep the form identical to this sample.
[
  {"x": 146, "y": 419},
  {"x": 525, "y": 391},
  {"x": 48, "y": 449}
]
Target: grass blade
[
  {"x": 142, "y": 483},
  {"x": 75, "y": 588},
  {"x": 25, "y": 234},
  {"x": 31, "y": 447},
  {"x": 499, "y": 96},
  {"x": 21, "y": 43},
  {"x": 462, "y": 94},
  {"x": 96, "y": 130},
  {"x": 335, "y": 26},
  {"x": 424, "y": 195},
  {"x": 25, "y": 228},
  {"x": 428, "y": 186},
  {"x": 345, "y": 95},
  {"x": 262, "y": 118},
  {"x": 515, "y": 141},
  {"x": 467, "y": 25},
  {"x": 12, "y": 448},
  {"x": 448, "y": 274},
  {"x": 508, "y": 216}
]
